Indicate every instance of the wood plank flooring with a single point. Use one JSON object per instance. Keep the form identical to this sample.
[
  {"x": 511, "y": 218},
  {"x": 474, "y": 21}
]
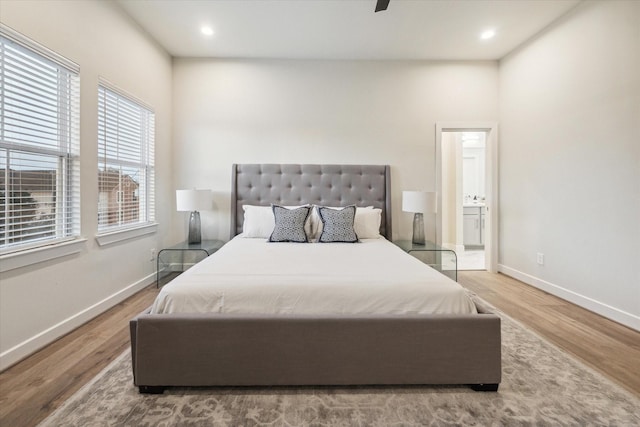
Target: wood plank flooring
[
  {"x": 35, "y": 387},
  {"x": 607, "y": 346}
]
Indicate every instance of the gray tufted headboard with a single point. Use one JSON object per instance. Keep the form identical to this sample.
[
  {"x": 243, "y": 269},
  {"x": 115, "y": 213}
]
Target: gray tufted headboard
[{"x": 326, "y": 185}]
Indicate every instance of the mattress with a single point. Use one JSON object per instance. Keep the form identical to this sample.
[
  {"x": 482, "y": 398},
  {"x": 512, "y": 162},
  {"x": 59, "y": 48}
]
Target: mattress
[{"x": 253, "y": 276}]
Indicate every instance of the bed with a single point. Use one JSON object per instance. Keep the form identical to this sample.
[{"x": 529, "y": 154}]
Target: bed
[{"x": 334, "y": 338}]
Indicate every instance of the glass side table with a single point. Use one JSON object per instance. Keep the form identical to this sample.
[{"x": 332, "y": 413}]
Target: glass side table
[
  {"x": 442, "y": 259},
  {"x": 181, "y": 257}
]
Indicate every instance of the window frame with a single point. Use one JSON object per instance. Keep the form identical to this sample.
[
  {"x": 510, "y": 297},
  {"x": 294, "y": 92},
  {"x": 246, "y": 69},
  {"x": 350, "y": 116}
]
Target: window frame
[
  {"x": 146, "y": 189},
  {"x": 64, "y": 152}
]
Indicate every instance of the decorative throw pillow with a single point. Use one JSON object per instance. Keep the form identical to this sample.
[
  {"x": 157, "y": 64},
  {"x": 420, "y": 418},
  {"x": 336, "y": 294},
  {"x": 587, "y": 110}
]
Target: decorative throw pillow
[
  {"x": 366, "y": 223},
  {"x": 289, "y": 224},
  {"x": 337, "y": 225}
]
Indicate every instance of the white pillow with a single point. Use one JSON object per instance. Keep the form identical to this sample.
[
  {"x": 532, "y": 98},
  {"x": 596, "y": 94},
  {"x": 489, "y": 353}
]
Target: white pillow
[
  {"x": 259, "y": 221},
  {"x": 366, "y": 223}
]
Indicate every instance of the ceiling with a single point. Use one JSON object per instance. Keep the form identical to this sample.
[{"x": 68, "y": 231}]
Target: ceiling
[{"x": 344, "y": 29}]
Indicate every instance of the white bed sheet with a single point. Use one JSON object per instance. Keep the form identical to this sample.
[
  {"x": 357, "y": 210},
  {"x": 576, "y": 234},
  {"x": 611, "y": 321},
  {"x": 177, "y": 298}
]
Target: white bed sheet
[{"x": 252, "y": 276}]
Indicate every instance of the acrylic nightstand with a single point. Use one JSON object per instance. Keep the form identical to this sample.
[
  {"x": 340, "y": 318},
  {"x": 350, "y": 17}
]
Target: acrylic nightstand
[
  {"x": 182, "y": 256},
  {"x": 442, "y": 259}
]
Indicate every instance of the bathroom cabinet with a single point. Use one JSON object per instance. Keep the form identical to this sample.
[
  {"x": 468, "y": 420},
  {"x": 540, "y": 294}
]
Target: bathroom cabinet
[{"x": 473, "y": 225}]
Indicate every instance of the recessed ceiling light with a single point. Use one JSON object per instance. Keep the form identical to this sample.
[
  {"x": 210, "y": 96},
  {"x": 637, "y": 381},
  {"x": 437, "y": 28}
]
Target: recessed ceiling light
[
  {"x": 206, "y": 30},
  {"x": 488, "y": 34}
]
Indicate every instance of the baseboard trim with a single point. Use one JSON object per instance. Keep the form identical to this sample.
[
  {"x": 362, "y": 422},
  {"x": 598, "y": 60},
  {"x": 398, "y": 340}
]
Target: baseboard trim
[
  {"x": 35, "y": 343},
  {"x": 617, "y": 315}
]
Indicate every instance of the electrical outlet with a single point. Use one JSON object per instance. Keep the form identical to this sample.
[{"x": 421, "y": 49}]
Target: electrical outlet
[
  {"x": 540, "y": 258},
  {"x": 152, "y": 256}
]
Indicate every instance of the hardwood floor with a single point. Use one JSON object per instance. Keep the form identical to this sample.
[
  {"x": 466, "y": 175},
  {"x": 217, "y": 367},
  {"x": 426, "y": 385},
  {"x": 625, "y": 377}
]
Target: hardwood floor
[
  {"x": 35, "y": 387},
  {"x": 606, "y": 346}
]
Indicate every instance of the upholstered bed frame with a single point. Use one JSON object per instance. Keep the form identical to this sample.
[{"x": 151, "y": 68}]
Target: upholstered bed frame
[{"x": 288, "y": 350}]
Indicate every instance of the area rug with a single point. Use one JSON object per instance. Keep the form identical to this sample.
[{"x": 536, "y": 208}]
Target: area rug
[{"x": 541, "y": 386}]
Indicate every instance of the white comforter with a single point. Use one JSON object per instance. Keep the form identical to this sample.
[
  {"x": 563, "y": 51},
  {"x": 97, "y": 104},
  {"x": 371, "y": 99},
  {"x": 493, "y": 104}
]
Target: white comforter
[{"x": 252, "y": 276}]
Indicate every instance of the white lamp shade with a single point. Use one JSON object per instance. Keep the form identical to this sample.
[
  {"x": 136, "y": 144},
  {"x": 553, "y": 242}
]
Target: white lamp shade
[
  {"x": 419, "y": 202},
  {"x": 193, "y": 200}
]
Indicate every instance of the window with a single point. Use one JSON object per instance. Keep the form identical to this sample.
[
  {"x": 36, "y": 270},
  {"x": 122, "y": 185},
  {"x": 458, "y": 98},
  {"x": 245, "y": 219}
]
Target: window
[
  {"x": 125, "y": 161},
  {"x": 39, "y": 145}
]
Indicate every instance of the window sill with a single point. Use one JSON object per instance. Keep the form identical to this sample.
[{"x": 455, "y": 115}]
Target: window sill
[
  {"x": 36, "y": 255},
  {"x": 109, "y": 238}
]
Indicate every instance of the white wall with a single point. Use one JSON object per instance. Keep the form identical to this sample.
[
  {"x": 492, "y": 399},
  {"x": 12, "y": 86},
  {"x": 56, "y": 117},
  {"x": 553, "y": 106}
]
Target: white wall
[
  {"x": 40, "y": 302},
  {"x": 289, "y": 111},
  {"x": 570, "y": 159}
]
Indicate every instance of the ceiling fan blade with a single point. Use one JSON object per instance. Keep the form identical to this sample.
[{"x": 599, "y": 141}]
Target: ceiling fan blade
[{"x": 382, "y": 5}]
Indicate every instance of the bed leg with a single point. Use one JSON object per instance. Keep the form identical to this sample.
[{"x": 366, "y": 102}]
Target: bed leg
[
  {"x": 151, "y": 389},
  {"x": 484, "y": 387}
]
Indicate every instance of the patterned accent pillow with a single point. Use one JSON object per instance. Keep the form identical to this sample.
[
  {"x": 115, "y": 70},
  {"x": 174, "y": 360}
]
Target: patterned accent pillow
[
  {"x": 337, "y": 225},
  {"x": 289, "y": 224}
]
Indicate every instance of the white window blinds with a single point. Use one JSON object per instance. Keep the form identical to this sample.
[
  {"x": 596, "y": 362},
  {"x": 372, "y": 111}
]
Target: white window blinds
[
  {"x": 125, "y": 161},
  {"x": 39, "y": 145}
]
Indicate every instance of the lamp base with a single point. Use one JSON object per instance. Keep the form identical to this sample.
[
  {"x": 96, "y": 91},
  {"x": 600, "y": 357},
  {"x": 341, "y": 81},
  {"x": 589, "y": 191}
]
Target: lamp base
[
  {"x": 195, "y": 234},
  {"x": 418, "y": 229}
]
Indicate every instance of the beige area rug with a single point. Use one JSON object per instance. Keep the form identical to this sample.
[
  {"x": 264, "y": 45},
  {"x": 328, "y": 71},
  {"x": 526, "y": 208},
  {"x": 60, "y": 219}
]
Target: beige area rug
[{"x": 541, "y": 386}]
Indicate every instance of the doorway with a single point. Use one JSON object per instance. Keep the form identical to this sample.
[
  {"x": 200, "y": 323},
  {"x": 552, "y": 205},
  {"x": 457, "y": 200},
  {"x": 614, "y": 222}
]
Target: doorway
[{"x": 466, "y": 182}]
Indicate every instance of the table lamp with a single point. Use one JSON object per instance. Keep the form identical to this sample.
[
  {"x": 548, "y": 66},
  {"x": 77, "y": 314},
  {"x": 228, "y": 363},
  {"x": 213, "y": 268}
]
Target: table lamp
[
  {"x": 418, "y": 202},
  {"x": 194, "y": 201}
]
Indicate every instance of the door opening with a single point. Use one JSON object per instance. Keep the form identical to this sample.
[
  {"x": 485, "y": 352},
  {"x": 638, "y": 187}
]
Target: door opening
[{"x": 466, "y": 182}]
